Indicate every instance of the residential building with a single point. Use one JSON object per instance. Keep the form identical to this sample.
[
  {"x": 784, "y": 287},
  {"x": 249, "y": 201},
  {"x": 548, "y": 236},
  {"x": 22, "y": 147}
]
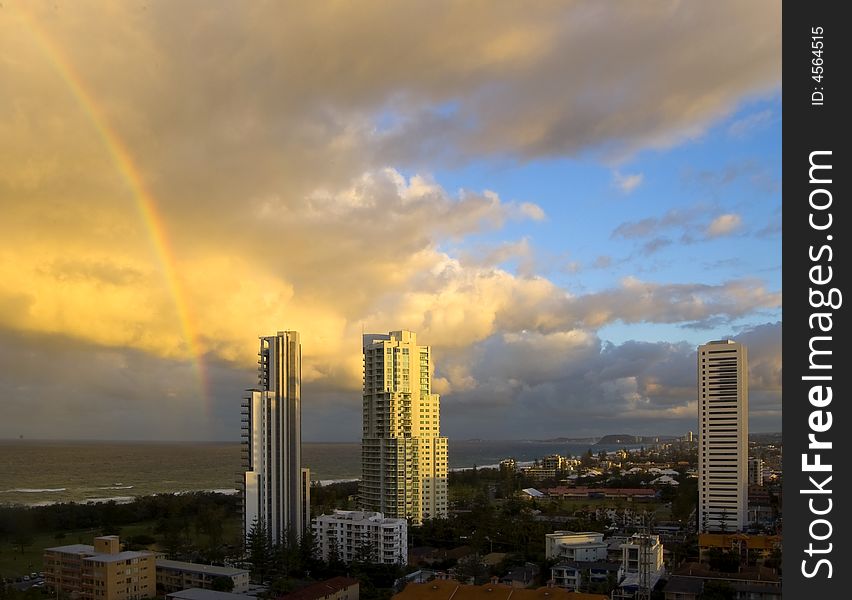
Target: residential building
[
  {"x": 641, "y": 566},
  {"x": 354, "y": 532},
  {"x": 751, "y": 549},
  {"x": 276, "y": 490},
  {"x": 403, "y": 456},
  {"x": 723, "y": 437},
  {"x": 555, "y": 462},
  {"x": 205, "y": 594},
  {"x": 755, "y": 471},
  {"x": 175, "y": 575},
  {"x": 630, "y": 494},
  {"x": 448, "y": 589},
  {"x": 336, "y": 588},
  {"x": 572, "y": 575},
  {"x": 508, "y": 465},
  {"x": 520, "y": 577},
  {"x": 582, "y": 546},
  {"x": 691, "y": 580},
  {"x": 101, "y": 571}
]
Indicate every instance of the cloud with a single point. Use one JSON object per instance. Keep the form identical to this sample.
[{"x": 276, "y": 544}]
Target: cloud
[
  {"x": 627, "y": 183},
  {"x": 583, "y": 385},
  {"x": 181, "y": 179},
  {"x": 743, "y": 127},
  {"x": 655, "y": 245},
  {"x": 588, "y": 386},
  {"x": 691, "y": 222},
  {"x": 724, "y": 225}
]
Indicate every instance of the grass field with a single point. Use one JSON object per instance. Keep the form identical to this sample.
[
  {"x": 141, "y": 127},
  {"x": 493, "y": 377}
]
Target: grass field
[{"x": 14, "y": 563}]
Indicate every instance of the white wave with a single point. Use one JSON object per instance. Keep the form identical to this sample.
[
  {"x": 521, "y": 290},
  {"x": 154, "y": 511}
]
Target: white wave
[
  {"x": 325, "y": 482},
  {"x": 33, "y": 491},
  {"x": 116, "y": 499},
  {"x": 520, "y": 463},
  {"x": 226, "y": 491},
  {"x": 117, "y": 486}
]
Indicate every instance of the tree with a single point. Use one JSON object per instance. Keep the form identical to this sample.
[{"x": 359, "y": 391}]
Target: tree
[
  {"x": 259, "y": 550},
  {"x": 223, "y": 584},
  {"x": 308, "y": 553},
  {"x": 333, "y": 560},
  {"x": 718, "y": 590},
  {"x": 470, "y": 568}
]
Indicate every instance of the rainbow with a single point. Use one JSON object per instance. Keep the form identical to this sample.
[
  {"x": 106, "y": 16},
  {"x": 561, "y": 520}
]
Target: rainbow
[{"x": 144, "y": 200}]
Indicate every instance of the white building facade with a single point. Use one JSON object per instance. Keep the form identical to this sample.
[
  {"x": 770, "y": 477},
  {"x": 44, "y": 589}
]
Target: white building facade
[
  {"x": 276, "y": 490},
  {"x": 579, "y": 546},
  {"x": 403, "y": 456},
  {"x": 355, "y": 533},
  {"x": 723, "y": 439}
]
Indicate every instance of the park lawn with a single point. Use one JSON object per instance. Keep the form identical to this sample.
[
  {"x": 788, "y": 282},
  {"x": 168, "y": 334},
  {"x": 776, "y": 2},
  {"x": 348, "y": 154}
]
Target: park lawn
[{"x": 14, "y": 563}]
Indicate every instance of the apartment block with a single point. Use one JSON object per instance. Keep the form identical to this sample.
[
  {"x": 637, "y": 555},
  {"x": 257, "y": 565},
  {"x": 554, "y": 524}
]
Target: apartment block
[
  {"x": 175, "y": 575},
  {"x": 581, "y": 546},
  {"x": 723, "y": 438},
  {"x": 353, "y": 532},
  {"x": 276, "y": 489},
  {"x": 100, "y": 571},
  {"x": 403, "y": 456}
]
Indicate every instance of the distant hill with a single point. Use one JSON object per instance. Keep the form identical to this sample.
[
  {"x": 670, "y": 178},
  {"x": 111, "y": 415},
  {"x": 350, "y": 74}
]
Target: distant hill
[
  {"x": 567, "y": 440},
  {"x": 623, "y": 438}
]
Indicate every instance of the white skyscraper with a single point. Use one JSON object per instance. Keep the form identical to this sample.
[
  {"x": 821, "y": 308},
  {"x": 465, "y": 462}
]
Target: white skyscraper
[
  {"x": 403, "y": 456},
  {"x": 276, "y": 488},
  {"x": 723, "y": 439}
]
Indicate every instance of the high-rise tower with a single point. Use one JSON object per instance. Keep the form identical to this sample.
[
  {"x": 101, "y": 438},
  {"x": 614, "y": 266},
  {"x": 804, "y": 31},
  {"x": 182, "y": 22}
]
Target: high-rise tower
[
  {"x": 403, "y": 456},
  {"x": 723, "y": 439},
  {"x": 276, "y": 488}
]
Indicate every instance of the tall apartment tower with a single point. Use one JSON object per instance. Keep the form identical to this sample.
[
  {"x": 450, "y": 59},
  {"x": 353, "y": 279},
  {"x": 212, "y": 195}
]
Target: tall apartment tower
[
  {"x": 723, "y": 437},
  {"x": 276, "y": 489},
  {"x": 403, "y": 456}
]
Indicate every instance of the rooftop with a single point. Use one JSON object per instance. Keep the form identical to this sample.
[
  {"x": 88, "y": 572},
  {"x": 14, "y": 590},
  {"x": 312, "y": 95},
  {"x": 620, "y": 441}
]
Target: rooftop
[
  {"x": 89, "y": 553},
  {"x": 318, "y": 590},
  {"x": 199, "y": 568},
  {"x": 119, "y": 557},
  {"x": 73, "y": 549},
  {"x": 444, "y": 589},
  {"x": 199, "y": 594}
]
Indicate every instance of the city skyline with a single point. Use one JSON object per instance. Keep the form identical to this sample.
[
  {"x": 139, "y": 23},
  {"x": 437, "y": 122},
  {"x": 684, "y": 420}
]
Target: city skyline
[{"x": 565, "y": 202}]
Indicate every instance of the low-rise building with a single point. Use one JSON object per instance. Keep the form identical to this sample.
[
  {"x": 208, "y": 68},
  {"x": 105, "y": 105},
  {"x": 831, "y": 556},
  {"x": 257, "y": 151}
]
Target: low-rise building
[
  {"x": 336, "y": 588},
  {"x": 362, "y": 534},
  {"x": 629, "y": 494},
  {"x": 175, "y": 575},
  {"x": 577, "y": 546},
  {"x": 641, "y": 565},
  {"x": 571, "y": 575},
  {"x": 750, "y": 548},
  {"x": 751, "y": 583},
  {"x": 202, "y": 594},
  {"x": 446, "y": 589},
  {"x": 101, "y": 571}
]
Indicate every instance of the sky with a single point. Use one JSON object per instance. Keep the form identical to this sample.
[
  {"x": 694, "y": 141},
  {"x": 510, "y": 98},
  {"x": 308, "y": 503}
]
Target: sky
[{"x": 563, "y": 199}]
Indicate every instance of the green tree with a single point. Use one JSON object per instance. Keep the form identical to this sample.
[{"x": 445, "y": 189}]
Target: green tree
[
  {"x": 471, "y": 567},
  {"x": 223, "y": 584},
  {"x": 718, "y": 590},
  {"x": 259, "y": 550}
]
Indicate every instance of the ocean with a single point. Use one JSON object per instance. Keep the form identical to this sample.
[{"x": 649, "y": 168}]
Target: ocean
[{"x": 45, "y": 472}]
